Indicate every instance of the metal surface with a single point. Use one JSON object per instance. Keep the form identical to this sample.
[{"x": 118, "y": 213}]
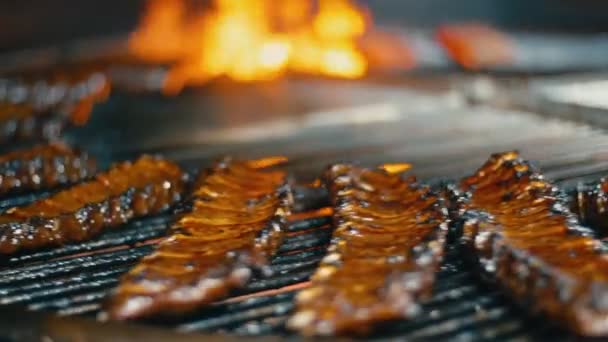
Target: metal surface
[{"x": 315, "y": 124}]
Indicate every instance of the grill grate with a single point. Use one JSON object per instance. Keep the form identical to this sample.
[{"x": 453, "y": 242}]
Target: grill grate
[
  {"x": 76, "y": 285},
  {"x": 73, "y": 280}
]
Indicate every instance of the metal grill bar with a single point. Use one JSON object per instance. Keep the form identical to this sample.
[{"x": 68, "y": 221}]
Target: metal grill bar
[
  {"x": 251, "y": 309},
  {"x": 72, "y": 303},
  {"x": 132, "y": 234},
  {"x": 14, "y": 276}
]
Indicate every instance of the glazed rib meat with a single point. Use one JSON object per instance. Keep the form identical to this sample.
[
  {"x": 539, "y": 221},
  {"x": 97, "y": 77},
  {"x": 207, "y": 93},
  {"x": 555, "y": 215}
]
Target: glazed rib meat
[
  {"x": 128, "y": 190},
  {"x": 43, "y": 108},
  {"x": 590, "y": 203},
  {"x": 43, "y": 167},
  {"x": 43, "y": 92},
  {"x": 522, "y": 232},
  {"x": 22, "y": 122},
  {"x": 234, "y": 227},
  {"x": 386, "y": 247}
]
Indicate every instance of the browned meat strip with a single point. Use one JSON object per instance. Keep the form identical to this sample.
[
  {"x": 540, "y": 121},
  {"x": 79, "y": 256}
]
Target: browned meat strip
[
  {"x": 20, "y": 122},
  {"x": 42, "y": 92},
  {"x": 387, "y": 245},
  {"x": 235, "y": 225},
  {"x": 43, "y": 108},
  {"x": 43, "y": 167},
  {"x": 127, "y": 190},
  {"x": 523, "y": 234},
  {"x": 590, "y": 203}
]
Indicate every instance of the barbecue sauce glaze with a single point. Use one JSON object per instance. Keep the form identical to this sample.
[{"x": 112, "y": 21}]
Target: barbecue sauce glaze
[
  {"x": 523, "y": 234},
  {"x": 126, "y": 191},
  {"x": 235, "y": 225},
  {"x": 387, "y": 245}
]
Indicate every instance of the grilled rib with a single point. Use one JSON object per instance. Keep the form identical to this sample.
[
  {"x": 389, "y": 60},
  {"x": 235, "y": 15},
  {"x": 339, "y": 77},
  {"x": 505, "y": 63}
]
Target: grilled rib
[
  {"x": 50, "y": 91},
  {"x": 20, "y": 122},
  {"x": 128, "y": 190},
  {"x": 590, "y": 203},
  {"x": 43, "y": 167},
  {"x": 386, "y": 247},
  {"x": 235, "y": 226},
  {"x": 522, "y": 232},
  {"x": 43, "y": 109}
]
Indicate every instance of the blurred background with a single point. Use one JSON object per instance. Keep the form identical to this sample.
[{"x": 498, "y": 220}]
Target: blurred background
[
  {"x": 230, "y": 72},
  {"x": 28, "y": 23}
]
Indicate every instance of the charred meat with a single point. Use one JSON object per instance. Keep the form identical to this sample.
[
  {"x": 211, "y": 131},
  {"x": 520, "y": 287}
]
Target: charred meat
[
  {"x": 128, "y": 190},
  {"x": 42, "y": 92},
  {"x": 43, "y": 167},
  {"x": 22, "y": 122},
  {"x": 523, "y": 234},
  {"x": 590, "y": 203},
  {"x": 386, "y": 247},
  {"x": 234, "y": 227},
  {"x": 43, "y": 108}
]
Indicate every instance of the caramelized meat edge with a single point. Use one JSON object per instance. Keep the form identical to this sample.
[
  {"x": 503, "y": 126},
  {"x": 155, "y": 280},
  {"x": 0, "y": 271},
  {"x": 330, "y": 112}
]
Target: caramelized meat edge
[
  {"x": 386, "y": 247},
  {"x": 590, "y": 203},
  {"x": 42, "y": 108},
  {"x": 126, "y": 191},
  {"x": 235, "y": 226},
  {"x": 522, "y": 232},
  {"x": 43, "y": 167}
]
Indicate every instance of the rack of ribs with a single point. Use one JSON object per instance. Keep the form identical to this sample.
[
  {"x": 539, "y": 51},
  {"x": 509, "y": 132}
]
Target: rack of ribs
[
  {"x": 235, "y": 225},
  {"x": 386, "y": 248},
  {"x": 41, "y": 109},
  {"x": 523, "y": 234},
  {"x": 126, "y": 191},
  {"x": 43, "y": 167}
]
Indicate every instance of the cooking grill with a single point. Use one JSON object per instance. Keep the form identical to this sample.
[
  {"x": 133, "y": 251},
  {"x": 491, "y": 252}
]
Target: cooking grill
[{"x": 58, "y": 292}]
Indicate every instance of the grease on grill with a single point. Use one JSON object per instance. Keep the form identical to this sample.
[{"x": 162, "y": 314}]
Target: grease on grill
[
  {"x": 43, "y": 167},
  {"x": 387, "y": 246},
  {"x": 523, "y": 233},
  {"x": 128, "y": 190},
  {"x": 235, "y": 225}
]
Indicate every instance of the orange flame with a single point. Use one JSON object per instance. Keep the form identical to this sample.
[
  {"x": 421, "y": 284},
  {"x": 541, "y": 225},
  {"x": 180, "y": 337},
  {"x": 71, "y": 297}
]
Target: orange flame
[
  {"x": 159, "y": 37},
  {"x": 248, "y": 40}
]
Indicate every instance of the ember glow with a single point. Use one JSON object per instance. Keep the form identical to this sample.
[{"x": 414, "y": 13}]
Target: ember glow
[{"x": 251, "y": 40}]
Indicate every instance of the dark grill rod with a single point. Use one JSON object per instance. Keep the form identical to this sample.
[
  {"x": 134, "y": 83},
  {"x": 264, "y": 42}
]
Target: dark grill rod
[
  {"x": 314, "y": 239},
  {"x": 465, "y": 322},
  {"x": 317, "y": 252},
  {"x": 49, "y": 284},
  {"x": 136, "y": 232},
  {"x": 255, "y": 308},
  {"x": 47, "y": 287},
  {"x": 64, "y": 267},
  {"x": 22, "y": 199},
  {"x": 62, "y": 291},
  {"x": 71, "y": 302}
]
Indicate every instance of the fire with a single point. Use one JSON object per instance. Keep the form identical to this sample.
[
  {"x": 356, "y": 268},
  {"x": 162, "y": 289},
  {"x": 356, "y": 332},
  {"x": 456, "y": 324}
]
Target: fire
[
  {"x": 249, "y": 40},
  {"x": 159, "y": 36}
]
